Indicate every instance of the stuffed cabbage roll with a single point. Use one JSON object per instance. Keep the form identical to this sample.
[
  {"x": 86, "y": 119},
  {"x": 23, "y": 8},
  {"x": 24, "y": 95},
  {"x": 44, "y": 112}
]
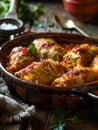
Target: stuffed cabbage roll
[
  {"x": 81, "y": 55},
  {"x": 43, "y": 72},
  {"x": 77, "y": 76},
  {"x": 48, "y": 49},
  {"x": 18, "y": 58}
]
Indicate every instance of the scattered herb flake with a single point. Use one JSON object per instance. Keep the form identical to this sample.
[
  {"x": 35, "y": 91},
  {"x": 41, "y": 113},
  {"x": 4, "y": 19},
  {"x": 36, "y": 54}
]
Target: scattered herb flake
[
  {"x": 58, "y": 119},
  {"x": 37, "y": 23},
  {"x": 50, "y": 24},
  {"x": 25, "y": 59},
  {"x": 74, "y": 120}
]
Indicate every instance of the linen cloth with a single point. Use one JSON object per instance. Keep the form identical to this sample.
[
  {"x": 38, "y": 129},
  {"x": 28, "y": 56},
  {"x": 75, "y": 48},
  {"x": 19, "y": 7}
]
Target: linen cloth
[{"x": 12, "y": 110}]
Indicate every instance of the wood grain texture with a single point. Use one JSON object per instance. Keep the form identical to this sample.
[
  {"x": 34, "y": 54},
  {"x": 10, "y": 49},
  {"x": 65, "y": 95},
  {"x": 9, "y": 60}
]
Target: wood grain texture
[{"x": 43, "y": 116}]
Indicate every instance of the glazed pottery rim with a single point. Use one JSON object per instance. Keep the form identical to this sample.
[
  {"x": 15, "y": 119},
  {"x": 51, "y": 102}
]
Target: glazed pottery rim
[{"x": 80, "y": 2}]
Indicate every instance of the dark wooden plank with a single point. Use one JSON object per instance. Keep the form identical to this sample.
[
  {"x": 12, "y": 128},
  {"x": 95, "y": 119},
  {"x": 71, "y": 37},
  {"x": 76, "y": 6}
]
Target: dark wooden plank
[
  {"x": 14, "y": 126},
  {"x": 43, "y": 116}
]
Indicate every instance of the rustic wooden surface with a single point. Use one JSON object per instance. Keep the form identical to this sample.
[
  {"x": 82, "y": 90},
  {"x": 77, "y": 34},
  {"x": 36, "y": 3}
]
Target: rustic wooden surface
[{"x": 43, "y": 116}]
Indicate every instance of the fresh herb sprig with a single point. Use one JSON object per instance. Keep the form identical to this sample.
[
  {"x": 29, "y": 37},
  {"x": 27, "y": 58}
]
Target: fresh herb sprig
[
  {"x": 59, "y": 119},
  {"x": 4, "y": 6},
  {"x": 74, "y": 120},
  {"x": 25, "y": 13}
]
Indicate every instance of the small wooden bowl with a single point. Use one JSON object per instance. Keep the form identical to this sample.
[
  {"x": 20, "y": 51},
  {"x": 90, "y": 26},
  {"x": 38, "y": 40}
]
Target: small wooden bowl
[
  {"x": 43, "y": 95},
  {"x": 83, "y": 10}
]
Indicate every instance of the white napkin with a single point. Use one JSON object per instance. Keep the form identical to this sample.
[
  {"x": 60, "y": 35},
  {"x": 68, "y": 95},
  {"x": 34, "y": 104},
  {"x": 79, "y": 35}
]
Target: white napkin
[{"x": 12, "y": 111}]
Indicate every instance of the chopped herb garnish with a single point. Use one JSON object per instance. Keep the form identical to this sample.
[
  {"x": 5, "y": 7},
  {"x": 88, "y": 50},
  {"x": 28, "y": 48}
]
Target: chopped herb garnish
[
  {"x": 37, "y": 23},
  {"x": 25, "y": 59},
  {"x": 91, "y": 53},
  {"x": 33, "y": 13},
  {"x": 38, "y": 8},
  {"x": 58, "y": 121},
  {"x": 62, "y": 72},
  {"x": 32, "y": 49},
  {"x": 50, "y": 24},
  {"x": 74, "y": 120}
]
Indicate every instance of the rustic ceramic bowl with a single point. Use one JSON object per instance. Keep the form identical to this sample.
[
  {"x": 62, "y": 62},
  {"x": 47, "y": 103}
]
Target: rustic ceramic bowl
[
  {"x": 81, "y": 9},
  {"x": 38, "y": 94}
]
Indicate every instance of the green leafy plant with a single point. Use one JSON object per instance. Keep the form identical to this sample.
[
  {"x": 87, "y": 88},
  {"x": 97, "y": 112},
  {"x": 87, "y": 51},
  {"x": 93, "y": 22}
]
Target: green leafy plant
[
  {"x": 74, "y": 120},
  {"x": 25, "y": 13},
  {"x": 30, "y": 14},
  {"x": 58, "y": 119},
  {"x": 4, "y": 6}
]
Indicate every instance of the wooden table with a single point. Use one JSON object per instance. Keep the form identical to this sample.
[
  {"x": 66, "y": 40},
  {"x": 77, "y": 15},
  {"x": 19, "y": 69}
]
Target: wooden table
[{"x": 45, "y": 116}]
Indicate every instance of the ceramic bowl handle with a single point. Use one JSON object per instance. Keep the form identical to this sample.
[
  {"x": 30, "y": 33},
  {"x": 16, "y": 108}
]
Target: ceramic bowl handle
[{"x": 87, "y": 93}]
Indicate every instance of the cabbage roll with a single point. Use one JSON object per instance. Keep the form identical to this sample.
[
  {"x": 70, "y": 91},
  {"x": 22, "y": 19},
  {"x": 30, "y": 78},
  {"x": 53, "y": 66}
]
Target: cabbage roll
[
  {"x": 18, "y": 58},
  {"x": 48, "y": 49},
  {"x": 43, "y": 72}
]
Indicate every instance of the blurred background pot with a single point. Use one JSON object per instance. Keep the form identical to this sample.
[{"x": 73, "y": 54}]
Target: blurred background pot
[{"x": 81, "y": 9}]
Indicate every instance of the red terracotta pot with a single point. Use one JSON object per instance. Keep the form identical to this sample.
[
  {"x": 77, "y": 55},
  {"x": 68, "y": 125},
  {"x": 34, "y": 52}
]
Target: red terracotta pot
[{"x": 81, "y": 9}]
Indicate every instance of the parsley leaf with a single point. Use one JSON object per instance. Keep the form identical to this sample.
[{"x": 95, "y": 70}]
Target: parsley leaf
[
  {"x": 74, "y": 120},
  {"x": 50, "y": 24},
  {"x": 25, "y": 59},
  {"x": 58, "y": 119},
  {"x": 32, "y": 49},
  {"x": 33, "y": 13}
]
